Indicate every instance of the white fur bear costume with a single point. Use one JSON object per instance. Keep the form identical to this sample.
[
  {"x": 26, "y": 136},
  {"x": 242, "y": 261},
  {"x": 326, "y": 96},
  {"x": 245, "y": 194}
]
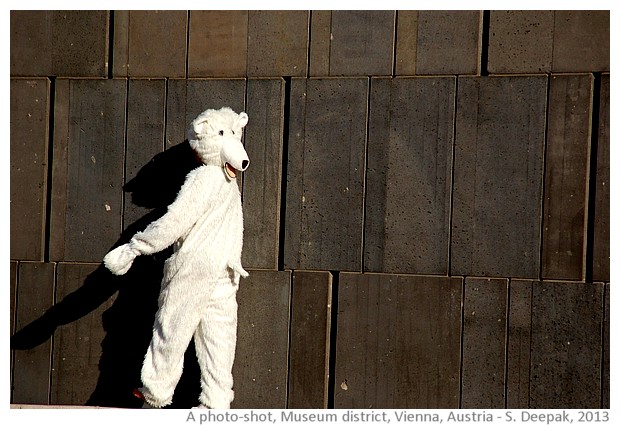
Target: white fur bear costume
[{"x": 201, "y": 278}]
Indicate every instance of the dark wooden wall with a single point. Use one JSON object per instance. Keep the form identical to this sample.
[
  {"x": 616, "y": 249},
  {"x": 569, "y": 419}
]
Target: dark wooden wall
[{"x": 426, "y": 212}]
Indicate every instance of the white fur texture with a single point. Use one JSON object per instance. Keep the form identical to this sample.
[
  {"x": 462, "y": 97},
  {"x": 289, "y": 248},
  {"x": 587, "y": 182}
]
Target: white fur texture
[
  {"x": 215, "y": 338},
  {"x": 215, "y": 135},
  {"x": 198, "y": 295},
  {"x": 120, "y": 259}
]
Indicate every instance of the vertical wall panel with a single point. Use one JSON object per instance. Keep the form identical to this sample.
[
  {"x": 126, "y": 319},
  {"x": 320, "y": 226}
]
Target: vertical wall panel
[
  {"x": 449, "y": 42},
  {"x": 566, "y": 177},
  {"x": 601, "y": 237},
  {"x": 567, "y": 350},
  {"x": 89, "y": 161},
  {"x": 59, "y": 43},
  {"x": 581, "y": 41},
  {"x": 278, "y": 43},
  {"x": 500, "y": 133},
  {"x": 520, "y": 41},
  {"x": 409, "y": 178},
  {"x": 88, "y": 167},
  {"x": 13, "y": 293},
  {"x": 77, "y": 345},
  {"x": 325, "y": 184},
  {"x": 13, "y": 309},
  {"x": 59, "y": 167},
  {"x": 261, "y": 361},
  {"x": 398, "y": 341},
  {"x": 31, "y": 51},
  {"x": 262, "y": 181},
  {"x": 606, "y": 378},
  {"x": 155, "y": 44},
  {"x": 311, "y": 312},
  {"x": 438, "y": 42},
  {"x": 320, "y": 32},
  {"x": 361, "y": 43},
  {"x": 146, "y": 106},
  {"x": 29, "y": 164},
  {"x": 188, "y": 98},
  {"x": 80, "y": 43},
  {"x": 218, "y": 42},
  {"x": 484, "y": 342},
  {"x": 120, "y": 47},
  {"x": 406, "y": 42},
  {"x": 376, "y": 203},
  {"x": 35, "y": 295},
  {"x": 519, "y": 340}
]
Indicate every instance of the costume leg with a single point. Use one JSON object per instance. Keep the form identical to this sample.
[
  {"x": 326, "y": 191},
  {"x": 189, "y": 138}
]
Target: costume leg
[
  {"x": 175, "y": 323},
  {"x": 215, "y": 340}
]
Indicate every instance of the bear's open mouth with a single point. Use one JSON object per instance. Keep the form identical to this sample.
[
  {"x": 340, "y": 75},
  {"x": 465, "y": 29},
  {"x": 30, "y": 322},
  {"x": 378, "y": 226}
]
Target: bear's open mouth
[{"x": 230, "y": 170}]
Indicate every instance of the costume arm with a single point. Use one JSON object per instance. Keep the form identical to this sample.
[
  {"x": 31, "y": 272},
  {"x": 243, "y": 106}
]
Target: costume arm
[{"x": 181, "y": 215}]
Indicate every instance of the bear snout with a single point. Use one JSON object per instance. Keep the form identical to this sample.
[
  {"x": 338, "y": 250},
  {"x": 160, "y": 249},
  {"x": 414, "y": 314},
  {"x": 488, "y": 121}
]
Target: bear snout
[{"x": 234, "y": 157}]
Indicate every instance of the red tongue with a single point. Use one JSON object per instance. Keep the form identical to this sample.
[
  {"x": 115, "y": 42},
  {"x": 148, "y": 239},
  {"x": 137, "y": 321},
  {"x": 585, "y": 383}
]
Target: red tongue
[{"x": 232, "y": 173}]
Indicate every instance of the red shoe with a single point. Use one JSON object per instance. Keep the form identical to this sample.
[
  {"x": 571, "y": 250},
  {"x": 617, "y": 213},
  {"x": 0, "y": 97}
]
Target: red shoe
[{"x": 138, "y": 394}]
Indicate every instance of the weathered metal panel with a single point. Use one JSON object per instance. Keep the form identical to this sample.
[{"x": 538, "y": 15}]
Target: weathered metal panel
[
  {"x": 606, "y": 375},
  {"x": 409, "y": 175},
  {"x": 29, "y": 167},
  {"x": 31, "y": 51},
  {"x": 520, "y": 41},
  {"x": 154, "y": 44},
  {"x": 325, "y": 183},
  {"x": 262, "y": 181},
  {"x": 261, "y": 361},
  {"x": 362, "y": 43},
  {"x": 78, "y": 344},
  {"x": 146, "y": 107},
  {"x": 449, "y": 42},
  {"x": 406, "y": 42},
  {"x": 398, "y": 341},
  {"x": 59, "y": 43},
  {"x": 311, "y": 313},
  {"x": 498, "y": 176},
  {"x": 567, "y": 345},
  {"x": 320, "y": 32},
  {"x": 88, "y": 168},
  {"x": 13, "y": 310},
  {"x": 484, "y": 342},
  {"x": 519, "y": 341},
  {"x": 278, "y": 43},
  {"x": 566, "y": 177},
  {"x": 601, "y": 236},
  {"x": 581, "y": 41},
  {"x": 218, "y": 43},
  {"x": 32, "y": 364}
]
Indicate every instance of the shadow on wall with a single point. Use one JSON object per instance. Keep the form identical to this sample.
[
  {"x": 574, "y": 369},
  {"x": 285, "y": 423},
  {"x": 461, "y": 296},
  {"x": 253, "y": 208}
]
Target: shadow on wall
[{"x": 128, "y": 323}]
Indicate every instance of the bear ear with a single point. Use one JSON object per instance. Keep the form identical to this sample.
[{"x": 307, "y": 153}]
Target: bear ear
[
  {"x": 198, "y": 127},
  {"x": 242, "y": 120}
]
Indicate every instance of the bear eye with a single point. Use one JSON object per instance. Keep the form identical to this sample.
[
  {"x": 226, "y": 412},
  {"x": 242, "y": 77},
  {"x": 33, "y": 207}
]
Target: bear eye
[
  {"x": 233, "y": 132},
  {"x": 221, "y": 132}
]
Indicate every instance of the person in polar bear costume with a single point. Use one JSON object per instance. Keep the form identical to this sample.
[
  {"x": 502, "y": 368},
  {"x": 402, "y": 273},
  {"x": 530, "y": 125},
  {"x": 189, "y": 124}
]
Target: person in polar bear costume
[{"x": 201, "y": 278}]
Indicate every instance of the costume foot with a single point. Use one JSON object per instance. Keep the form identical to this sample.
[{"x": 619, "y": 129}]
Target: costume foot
[{"x": 138, "y": 394}]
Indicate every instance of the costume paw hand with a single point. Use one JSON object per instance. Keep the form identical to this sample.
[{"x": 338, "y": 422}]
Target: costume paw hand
[
  {"x": 120, "y": 259},
  {"x": 236, "y": 267}
]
